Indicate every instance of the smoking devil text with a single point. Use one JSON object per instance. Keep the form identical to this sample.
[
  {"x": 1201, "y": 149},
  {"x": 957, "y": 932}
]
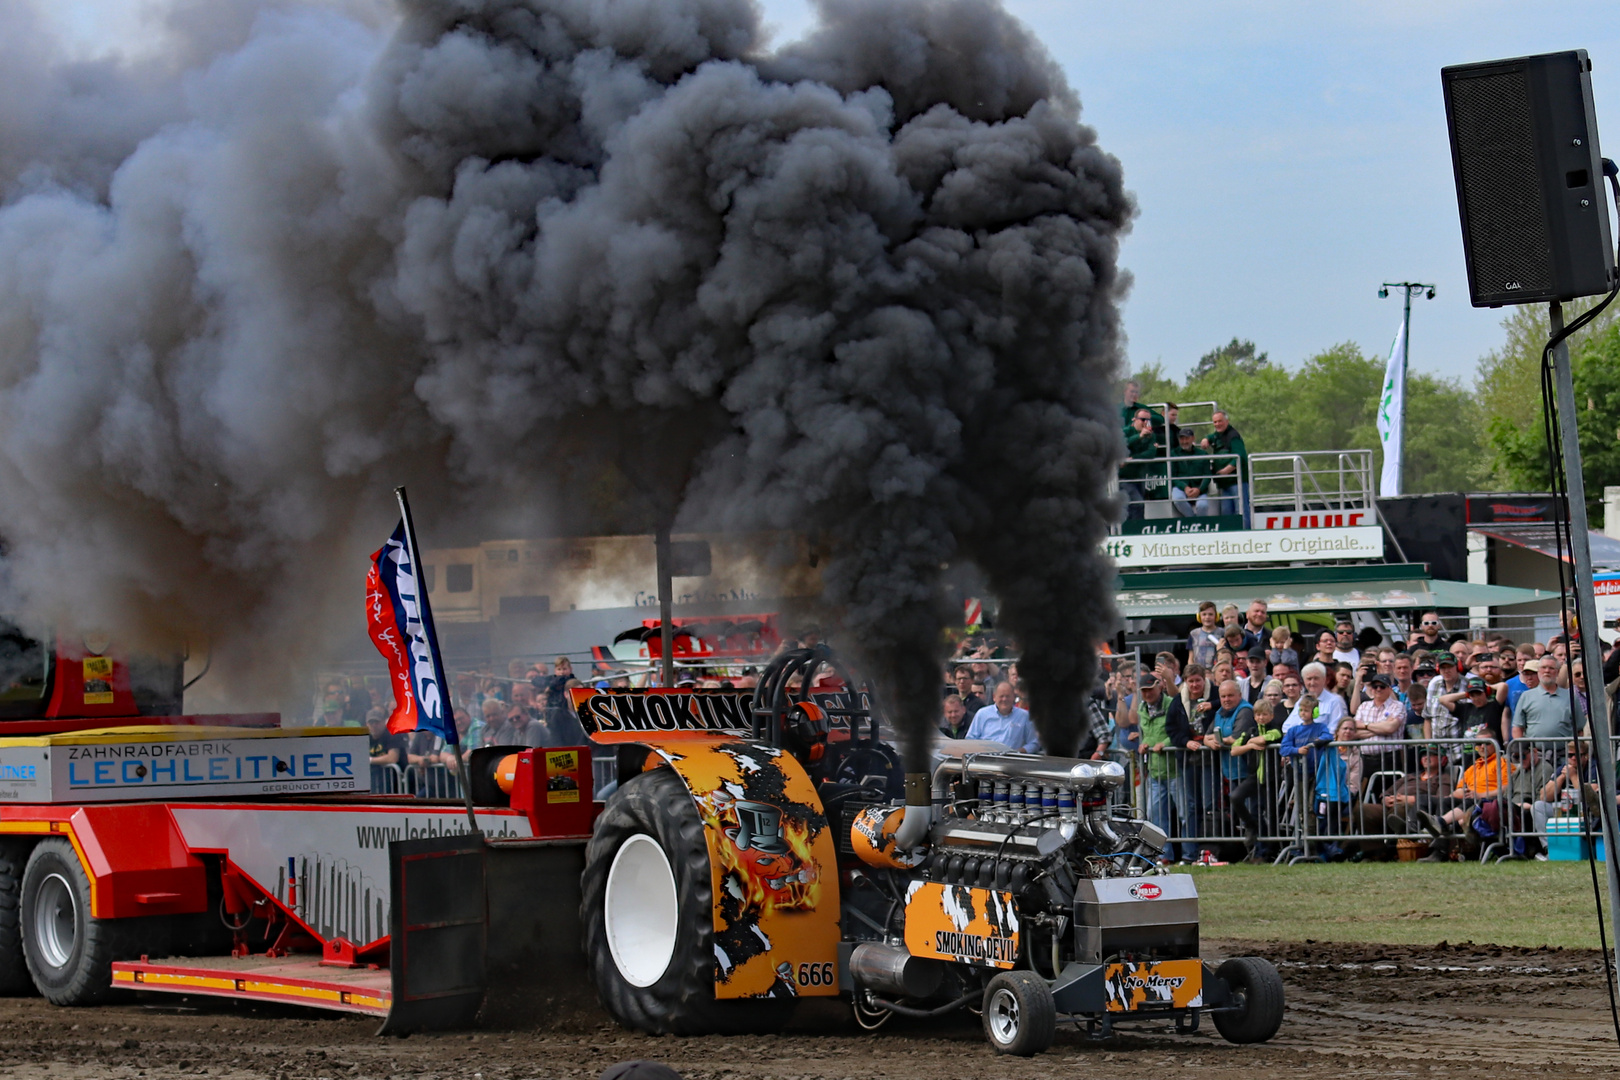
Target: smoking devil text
[
  {"x": 975, "y": 946},
  {"x": 666, "y": 712}
]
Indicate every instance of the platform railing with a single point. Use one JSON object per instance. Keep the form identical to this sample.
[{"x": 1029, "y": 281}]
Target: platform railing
[{"x": 1313, "y": 481}]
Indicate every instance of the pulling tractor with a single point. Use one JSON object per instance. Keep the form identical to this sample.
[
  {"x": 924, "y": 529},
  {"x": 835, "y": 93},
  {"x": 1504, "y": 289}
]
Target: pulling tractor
[{"x": 766, "y": 848}]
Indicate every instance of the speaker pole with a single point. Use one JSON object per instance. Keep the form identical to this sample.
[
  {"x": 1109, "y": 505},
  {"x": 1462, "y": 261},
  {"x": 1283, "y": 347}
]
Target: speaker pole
[
  {"x": 1586, "y": 613},
  {"x": 1406, "y": 365}
]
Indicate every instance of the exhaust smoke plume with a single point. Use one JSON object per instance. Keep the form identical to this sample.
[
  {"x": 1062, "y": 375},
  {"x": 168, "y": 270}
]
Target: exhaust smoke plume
[{"x": 863, "y": 285}]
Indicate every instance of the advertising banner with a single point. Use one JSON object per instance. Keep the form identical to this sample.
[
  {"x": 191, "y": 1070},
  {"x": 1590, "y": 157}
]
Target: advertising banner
[
  {"x": 1606, "y": 586},
  {"x": 159, "y": 763},
  {"x": 1252, "y": 546}
]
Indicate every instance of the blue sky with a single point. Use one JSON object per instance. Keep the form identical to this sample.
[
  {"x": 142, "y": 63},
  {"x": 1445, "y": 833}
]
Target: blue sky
[
  {"x": 1287, "y": 157},
  {"x": 1290, "y": 157}
]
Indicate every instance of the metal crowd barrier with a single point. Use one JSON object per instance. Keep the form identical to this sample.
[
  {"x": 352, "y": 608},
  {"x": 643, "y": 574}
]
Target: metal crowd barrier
[
  {"x": 1564, "y": 825},
  {"x": 433, "y": 782},
  {"x": 1215, "y": 802},
  {"x": 604, "y": 771},
  {"x": 387, "y": 780},
  {"x": 1286, "y": 815}
]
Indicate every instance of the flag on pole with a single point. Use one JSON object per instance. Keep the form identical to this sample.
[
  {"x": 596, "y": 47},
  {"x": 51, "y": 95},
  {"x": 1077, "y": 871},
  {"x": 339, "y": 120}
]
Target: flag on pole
[
  {"x": 1392, "y": 415},
  {"x": 401, "y": 627}
]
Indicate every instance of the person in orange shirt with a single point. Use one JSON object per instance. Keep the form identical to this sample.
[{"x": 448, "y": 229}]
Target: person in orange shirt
[{"x": 1479, "y": 787}]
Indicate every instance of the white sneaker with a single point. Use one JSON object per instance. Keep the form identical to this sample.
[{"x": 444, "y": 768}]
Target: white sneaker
[{"x": 1541, "y": 856}]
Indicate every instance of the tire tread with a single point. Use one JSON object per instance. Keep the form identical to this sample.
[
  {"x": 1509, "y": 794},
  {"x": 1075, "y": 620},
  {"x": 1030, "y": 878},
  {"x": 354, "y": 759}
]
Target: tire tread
[
  {"x": 13, "y": 968},
  {"x": 1037, "y": 1013},
  {"x": 681, "y": 1002},
  {"x": 103, "y": 940},
  {"x": 1262, "y": 988}
]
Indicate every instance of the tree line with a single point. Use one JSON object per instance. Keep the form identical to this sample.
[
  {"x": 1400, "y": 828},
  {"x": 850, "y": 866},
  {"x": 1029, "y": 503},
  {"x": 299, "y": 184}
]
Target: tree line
[{"x": 1487, "y": 436}]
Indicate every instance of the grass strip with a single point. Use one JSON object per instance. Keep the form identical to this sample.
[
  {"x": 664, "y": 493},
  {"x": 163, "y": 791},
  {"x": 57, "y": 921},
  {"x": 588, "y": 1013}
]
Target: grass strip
[{"x": 1522, "y": 904}]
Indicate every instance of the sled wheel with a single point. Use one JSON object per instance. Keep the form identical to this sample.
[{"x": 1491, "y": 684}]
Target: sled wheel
[
  {"x": 1261, "y": 989},
  {"x": 69, "y": 952},
  {"x": 647, "y": 910},
  {"x": 1019, "y": 1014}
]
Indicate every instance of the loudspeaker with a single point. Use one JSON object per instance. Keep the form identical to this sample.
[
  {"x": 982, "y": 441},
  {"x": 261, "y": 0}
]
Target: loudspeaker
[
  {"x": 1430, "y": 529},
  {"x": 1524, "y": 149}
]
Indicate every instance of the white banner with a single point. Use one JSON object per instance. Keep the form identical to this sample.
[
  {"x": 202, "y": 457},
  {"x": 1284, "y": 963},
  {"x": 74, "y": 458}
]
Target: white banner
[
  {"x": 1253, "y": 546},
  {"x": 1392, "y": 416}
]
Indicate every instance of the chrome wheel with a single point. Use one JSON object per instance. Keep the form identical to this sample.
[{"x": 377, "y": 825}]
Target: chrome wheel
[
  {"x": 1001, "y": 1016},
  {"x": 56, "y": 921}
]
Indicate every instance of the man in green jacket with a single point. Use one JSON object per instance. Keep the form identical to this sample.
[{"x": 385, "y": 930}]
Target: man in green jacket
[
  {"x": 1162, "y": 721},
  {"x": 1232, "y": 484},
  {"x": 1191, "y": 485},
  {"x": 1127, "y": 411},
  {"x": 1139, "y": 477}
]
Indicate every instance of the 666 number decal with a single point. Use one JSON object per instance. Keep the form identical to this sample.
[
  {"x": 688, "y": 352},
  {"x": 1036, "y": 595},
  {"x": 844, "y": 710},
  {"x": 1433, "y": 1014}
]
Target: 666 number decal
[{"x": 817, "y": 975}]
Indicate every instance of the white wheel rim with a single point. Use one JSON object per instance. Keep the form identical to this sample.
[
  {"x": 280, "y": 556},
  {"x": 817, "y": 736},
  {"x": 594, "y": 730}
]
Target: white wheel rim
[
  {"x": 1003, "y": 1014},
  {"x": 640, "y": 911},
  {"x": 56, "y": 921}
]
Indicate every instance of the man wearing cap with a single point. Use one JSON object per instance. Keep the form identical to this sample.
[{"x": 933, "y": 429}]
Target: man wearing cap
[
  {"x": 1189, "y": 474},
  {"x": 1478, "y": 787},
  {"x": 1254, "y": 687},
  {"x": 1396, "y": 812},
  {"x": 1438, "y": 721},
  {"x": 1511, "y": 690},
  {"x": 1544, "y": 713},
  {"x": 1164, "y": 731},
  {"x": 1381, "y": 721},
  {"x": 1473, "y": 706}
]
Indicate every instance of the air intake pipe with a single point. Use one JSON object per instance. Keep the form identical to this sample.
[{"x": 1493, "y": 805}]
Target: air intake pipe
[{"x": 913, "y": 828}]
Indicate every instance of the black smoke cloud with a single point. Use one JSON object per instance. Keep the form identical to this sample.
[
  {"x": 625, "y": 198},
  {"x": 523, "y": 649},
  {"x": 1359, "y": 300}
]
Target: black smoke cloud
[{"x": 864, "y": 285}]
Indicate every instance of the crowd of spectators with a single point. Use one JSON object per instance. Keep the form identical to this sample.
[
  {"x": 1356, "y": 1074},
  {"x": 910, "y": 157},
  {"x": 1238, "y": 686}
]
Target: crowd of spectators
[
  {"x": 529, "y": 706},
  {"x": 1198, "y": 474},
  {"x": 1367, "y": 737},
  {"x": 1431, "y": 737}
]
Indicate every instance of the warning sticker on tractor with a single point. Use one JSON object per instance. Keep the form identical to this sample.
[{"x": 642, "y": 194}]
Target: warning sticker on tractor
[
  {"x": 1164, "y": 984},
  {"x": 561, "y": 787},
  {"x": 98, "y": 672},
  {"x": 961, "y": 924}
]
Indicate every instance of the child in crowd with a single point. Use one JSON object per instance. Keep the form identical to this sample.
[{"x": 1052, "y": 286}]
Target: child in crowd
[
  {"x": 1338, "y": 781},
  {"x": 1282, "y": 648}
]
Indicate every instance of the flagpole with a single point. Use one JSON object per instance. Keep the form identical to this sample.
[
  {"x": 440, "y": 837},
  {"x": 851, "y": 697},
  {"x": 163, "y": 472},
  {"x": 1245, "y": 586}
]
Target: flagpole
[
  {"x": 433, "y": 648},
  {"x": 1408, "y": 288}
]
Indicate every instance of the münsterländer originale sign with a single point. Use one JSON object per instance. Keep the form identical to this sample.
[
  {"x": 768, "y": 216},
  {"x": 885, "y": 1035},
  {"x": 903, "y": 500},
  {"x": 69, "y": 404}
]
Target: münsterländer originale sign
[{"x": 1253, "y": 546}]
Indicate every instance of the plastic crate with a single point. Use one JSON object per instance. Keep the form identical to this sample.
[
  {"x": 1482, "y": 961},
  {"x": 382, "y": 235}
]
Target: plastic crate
[{"x": 1565, "y": 844}]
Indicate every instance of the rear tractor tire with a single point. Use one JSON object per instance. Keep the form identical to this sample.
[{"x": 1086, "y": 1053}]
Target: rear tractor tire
[
  {"x": 1261, "y": 988},
  {"x": 647, "y": 910},
  {"x": 69, "y": 952},
  {"x": 1020, "y": 1017},
  {"x": 13, "y": 968}
]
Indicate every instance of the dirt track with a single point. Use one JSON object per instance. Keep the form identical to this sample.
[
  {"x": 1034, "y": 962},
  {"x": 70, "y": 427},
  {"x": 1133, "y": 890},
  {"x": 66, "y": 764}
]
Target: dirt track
[{"x": 1384, "y": 1011}]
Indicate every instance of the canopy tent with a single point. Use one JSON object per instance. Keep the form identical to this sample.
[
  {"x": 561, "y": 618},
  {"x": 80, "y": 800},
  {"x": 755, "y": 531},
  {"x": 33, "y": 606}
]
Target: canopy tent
[
  {"x": 1366, "y": 587},
  {"x": 1540, "y": 538}
]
